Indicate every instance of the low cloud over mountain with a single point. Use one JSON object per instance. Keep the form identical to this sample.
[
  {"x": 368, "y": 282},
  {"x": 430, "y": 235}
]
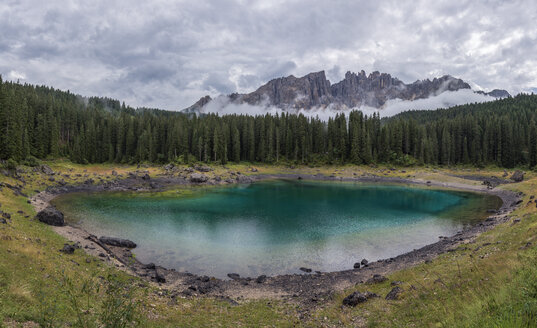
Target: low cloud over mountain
[{"x": 313, "y": 93}]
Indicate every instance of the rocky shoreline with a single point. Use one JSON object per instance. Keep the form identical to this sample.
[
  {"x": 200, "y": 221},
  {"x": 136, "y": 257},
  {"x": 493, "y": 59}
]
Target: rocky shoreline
[{"x": 311, "y": 287}]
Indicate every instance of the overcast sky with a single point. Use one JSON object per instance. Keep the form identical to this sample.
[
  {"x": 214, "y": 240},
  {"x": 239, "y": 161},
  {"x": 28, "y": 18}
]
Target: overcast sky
[{"x": 168, "y": 54}]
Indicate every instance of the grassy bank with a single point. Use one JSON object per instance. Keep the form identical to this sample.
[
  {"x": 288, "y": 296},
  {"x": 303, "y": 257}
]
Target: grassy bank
[{"x": 490, "y": 282}]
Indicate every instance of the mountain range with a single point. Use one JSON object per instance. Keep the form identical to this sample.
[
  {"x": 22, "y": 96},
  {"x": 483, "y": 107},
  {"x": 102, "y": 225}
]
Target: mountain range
[{"x": 314, "y": 90}]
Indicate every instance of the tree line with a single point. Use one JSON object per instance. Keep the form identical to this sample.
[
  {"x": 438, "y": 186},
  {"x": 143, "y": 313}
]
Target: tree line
[{"x": 42, "y": 122}]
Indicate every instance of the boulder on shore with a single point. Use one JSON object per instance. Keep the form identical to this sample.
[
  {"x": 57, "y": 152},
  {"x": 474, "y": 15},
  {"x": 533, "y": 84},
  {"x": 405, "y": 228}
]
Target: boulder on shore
[
  {"x": 198, "y": 178},
  {"x": 51, "y": 216},
  {"x": 159, "y": 276},
  {"x": 202, "y": 168},
  {"x": 357, "y": 298},
  {"x": 46, "y": 169},
  {"x": 234, "y": 276},
  {"x": 68, "y": 249},
  {"x": 394, "y": 294},
  {"x": 118, "y": 242},
  {"x": 518, "y": 176},
  {"x": 376, "y": 279}
]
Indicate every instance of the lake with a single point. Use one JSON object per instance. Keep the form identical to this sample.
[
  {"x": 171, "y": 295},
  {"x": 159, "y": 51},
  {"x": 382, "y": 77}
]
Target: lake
[{"x": 276, "y": 227}]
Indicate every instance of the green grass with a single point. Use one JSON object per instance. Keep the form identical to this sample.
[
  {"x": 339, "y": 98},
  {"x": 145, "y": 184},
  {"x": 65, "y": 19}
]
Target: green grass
[{"x": 495, "y": 286}]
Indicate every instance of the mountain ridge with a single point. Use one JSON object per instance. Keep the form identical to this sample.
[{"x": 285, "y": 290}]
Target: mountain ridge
[{"x": 314, "y": 90}]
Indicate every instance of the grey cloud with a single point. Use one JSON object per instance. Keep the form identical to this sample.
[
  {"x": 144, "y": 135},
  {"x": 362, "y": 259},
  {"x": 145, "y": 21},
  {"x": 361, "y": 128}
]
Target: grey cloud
[
  {"x": 169, "y": 53},
  {"x": 276, "y": 69},
  {"x": 247, "y": 81},
  {"x": 218, "y": 82},
  {"x": 150, "y": 72},
  {"x": 335, "y": 74}
]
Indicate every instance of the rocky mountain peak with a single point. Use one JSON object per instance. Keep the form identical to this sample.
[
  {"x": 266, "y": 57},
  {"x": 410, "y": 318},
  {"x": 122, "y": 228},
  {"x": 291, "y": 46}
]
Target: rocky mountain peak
[
  {"x": 314, "y": 90},
  {"x": 496, "y": 93},
  {"x": 291, "y": 92},
  {"x": 198, "y": 105}
]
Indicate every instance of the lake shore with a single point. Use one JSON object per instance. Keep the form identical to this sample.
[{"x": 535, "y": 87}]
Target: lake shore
[{"x": 309, "y": 288}]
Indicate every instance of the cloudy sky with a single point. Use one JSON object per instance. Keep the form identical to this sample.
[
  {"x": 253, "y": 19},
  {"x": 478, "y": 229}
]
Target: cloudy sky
[{"x": 168, "y": 54}]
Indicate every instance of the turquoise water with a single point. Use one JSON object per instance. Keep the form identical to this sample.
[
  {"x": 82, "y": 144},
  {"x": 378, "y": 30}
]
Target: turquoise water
[{"x": 276, "y": 227}]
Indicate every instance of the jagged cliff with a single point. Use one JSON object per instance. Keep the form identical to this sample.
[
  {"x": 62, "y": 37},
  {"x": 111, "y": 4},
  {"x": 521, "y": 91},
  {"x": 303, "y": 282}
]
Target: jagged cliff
[
  {"x": 355, "y": 90},
  {"x": 198, "y": 105}
]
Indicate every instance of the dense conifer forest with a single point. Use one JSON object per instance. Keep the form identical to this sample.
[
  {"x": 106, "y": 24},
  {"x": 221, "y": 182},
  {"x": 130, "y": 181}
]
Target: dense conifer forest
[{"x": 41, "y": 122}]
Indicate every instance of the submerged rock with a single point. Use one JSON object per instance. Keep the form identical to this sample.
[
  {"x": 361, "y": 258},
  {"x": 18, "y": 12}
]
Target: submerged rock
[
  {"x": 51, "y": 216},
  {"x": 303, "y": 269},
  {"x": 244, "y": 179},
  {"x": 118, "y": 242}
]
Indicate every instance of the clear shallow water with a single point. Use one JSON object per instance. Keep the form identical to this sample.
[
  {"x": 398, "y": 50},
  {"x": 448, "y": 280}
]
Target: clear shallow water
[{"x": 276, "y": 227}]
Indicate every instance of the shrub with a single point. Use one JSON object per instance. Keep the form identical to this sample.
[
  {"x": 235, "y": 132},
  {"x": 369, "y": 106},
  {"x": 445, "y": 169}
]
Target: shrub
[
  {"x": 11, "y": 164},
  {"x": 97, "y": 302},
  {"x": 31, "y": 161}
]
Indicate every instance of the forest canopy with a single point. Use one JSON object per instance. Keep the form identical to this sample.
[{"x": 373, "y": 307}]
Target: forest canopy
[{"x": 41, "y": 122}]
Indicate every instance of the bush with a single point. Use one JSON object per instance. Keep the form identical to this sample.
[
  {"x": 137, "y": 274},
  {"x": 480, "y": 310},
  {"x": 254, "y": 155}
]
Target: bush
[
  {"x": 119, "y": 307},
  {"x": 161, "y": 158},
  {"x": 94, "y": 302},
  {"x": 402, "y": 160},
  {"x": 11, "y": 164},
  {"x": 31, "y": 161}
]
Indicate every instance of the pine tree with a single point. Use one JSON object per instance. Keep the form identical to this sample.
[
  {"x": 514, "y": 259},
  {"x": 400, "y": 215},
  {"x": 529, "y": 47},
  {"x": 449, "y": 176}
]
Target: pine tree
[
  {"x": 532, "y": 145},
  {"x": 355, "y": 145},
  {"x": 235, "y": 137},
  {"x": 445, "y": 147}
]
